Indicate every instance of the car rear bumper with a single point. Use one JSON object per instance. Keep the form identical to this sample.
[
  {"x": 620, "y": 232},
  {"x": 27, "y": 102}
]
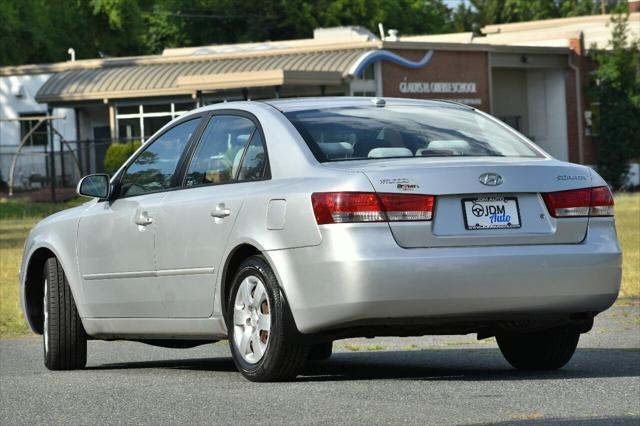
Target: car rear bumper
[{"x": 359, "y": 273}]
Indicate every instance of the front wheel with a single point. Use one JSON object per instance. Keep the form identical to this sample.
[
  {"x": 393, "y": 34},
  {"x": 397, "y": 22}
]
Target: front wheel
[
  {"x": 257, "y": 320},
  {"x": 547, "y": 350},
  {"x": 64, "y": 338}
]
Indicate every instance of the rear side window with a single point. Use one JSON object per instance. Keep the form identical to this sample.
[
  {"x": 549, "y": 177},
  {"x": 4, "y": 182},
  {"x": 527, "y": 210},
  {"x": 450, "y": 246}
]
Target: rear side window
[
  {"x": 218, "y": 156},
  {"x": 352, "y": 133},
  {"x": 154, "y": 169},
  {"x": 254, "y": 161}
]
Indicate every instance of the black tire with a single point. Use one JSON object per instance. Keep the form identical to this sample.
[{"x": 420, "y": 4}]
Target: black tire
[
  {"x": 547, "y": 350},
  {"x": 65, "y": 341},
  {"x": 283, "y": 357},
  {"x": 320, "y": 351}
]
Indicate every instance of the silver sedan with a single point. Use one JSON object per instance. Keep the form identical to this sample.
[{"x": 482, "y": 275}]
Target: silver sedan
[{"x": 285, "y": 225}]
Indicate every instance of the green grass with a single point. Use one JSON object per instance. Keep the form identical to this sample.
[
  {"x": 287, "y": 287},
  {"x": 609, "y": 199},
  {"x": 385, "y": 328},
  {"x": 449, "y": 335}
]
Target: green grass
[
  {"x": 375, "y": 348},
  {"x": 628, "y": 226},
  {"x": 12, "y": 235},
  {"x": 17, "y": 218},
  {"x": 19, "y": 209}
]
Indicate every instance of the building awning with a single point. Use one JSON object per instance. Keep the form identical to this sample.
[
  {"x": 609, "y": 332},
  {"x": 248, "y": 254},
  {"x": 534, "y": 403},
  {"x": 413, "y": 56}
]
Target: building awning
[{"x": 186, "y": 77}]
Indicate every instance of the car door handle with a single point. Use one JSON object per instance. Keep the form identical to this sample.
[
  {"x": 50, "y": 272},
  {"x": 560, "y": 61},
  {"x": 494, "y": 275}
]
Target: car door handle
[
  {"x": 144, "y": 219},
  {"x": 220, "y": 211}
]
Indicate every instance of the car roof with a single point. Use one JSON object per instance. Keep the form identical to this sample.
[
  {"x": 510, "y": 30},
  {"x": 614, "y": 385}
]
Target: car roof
[{"x": 300, "y": 104}]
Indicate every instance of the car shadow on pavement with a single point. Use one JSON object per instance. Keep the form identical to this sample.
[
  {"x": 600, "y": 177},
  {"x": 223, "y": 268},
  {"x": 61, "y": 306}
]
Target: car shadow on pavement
[
  {"x": 466, "y": 364},
  {"x": 586, "y": 421},
  {"x": 436, "y": 365},
  {"x": 199, "y": 364}
]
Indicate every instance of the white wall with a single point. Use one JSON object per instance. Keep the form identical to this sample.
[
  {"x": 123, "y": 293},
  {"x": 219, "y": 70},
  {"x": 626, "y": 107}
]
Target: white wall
[
  {"x": 11, "y": 106},
  {"x": 547, "y": 108},
  {"x": 17, "y": 96}
]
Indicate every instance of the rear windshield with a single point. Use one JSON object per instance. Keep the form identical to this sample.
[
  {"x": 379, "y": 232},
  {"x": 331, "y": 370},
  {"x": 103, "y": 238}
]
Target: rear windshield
[{"x": 352, "y": 133}]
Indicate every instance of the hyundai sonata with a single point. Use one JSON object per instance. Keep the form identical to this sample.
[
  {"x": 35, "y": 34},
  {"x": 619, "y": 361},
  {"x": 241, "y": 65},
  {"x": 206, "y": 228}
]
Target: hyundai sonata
[{"x": 285, "y": 225}]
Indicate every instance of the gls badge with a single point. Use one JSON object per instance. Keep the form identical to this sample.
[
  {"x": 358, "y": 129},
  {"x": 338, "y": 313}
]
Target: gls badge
[{"x": 490, "y": 179}]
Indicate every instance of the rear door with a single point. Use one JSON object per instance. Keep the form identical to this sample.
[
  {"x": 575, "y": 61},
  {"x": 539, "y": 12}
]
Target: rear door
[{"x": 197, "y": 220}]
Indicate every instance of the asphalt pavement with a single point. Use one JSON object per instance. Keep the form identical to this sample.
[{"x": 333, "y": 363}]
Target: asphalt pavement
[{"x": 426, "y": 380}]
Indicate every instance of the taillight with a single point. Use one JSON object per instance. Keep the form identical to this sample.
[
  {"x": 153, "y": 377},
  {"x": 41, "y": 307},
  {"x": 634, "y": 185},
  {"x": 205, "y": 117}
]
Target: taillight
[
  {"x": 342, "y": 207},
  {"x": 601, "y": 202},
  {"x": 407, "y": 207},
  {"x": 580, "y": 202},
  {"x": 351, "y": 207}
]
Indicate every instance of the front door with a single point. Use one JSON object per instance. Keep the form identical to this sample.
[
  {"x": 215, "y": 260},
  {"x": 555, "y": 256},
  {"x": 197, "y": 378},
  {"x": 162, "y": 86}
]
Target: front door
[
  {"x": 117, "y": 239},
  {"x": 116, "y": 255},
  {"x": 196, "y": 221}
]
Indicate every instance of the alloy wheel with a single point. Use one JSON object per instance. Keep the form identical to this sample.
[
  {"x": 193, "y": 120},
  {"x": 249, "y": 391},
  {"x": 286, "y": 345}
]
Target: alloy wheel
[{"x": 251, "y": 319}]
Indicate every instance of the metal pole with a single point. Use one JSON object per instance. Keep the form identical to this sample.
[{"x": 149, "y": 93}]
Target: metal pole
[
  {"x": 62, "y": 168},
  {"x": 53, "y": 165},
  {"x": 46, "y": 162},
  {"x": 78, "y": 146}
]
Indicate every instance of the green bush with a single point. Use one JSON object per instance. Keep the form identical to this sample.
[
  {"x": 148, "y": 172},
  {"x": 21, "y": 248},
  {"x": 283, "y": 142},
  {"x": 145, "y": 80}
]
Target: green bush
[{"x": 117, "y": 154}]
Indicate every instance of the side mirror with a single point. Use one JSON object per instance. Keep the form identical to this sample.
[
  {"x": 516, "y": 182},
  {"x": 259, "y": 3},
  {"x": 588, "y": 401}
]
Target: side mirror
[{"x": 96, "y": 186}]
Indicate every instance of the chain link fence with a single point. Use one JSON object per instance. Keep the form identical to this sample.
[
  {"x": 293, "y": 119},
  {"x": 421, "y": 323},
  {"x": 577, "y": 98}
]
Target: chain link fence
[{"x": 42, "y": 175}]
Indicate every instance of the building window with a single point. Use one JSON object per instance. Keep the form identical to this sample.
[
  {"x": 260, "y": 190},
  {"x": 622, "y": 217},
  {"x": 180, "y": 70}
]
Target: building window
[
  {"x": 367, "y": 84},
  {"x": 39, "y": 136},
  {"x": 369, "y": 73},
  {"x": 142, "y": 121}
]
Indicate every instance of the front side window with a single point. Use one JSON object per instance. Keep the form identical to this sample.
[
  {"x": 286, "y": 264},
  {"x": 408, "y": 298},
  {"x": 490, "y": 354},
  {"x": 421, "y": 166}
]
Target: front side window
[
  {"x": 219, "y": 153},
  {"x": 154, "y": 169},
  {"x": 354, "y": 133}
]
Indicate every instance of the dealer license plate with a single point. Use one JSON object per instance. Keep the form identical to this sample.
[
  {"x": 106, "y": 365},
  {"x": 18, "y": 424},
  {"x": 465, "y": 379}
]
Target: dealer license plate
[{"x": 491, "y": 213}]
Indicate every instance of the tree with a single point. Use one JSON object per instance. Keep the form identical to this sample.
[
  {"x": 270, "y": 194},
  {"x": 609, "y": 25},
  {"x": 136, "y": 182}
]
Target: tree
[
  {"x": 37, "y": 31},
  {"x": 203, "y": 22},
  {"x": 23, "y": 37},
  {"x": 489, "y": 12},
  {"x": 616, "y": 91}
]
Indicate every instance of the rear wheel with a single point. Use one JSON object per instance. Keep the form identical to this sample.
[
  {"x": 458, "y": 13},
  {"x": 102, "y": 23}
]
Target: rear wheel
[
  {"x": 257, "y": 320},
  {"x": 65, "y": 341},
  {"x": 548, "y": 350},
  {"x": 320, "y": 351}
]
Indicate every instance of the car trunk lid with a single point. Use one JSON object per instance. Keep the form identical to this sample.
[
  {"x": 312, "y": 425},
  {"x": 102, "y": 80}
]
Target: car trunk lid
[{"x": 456, "y": 183}]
